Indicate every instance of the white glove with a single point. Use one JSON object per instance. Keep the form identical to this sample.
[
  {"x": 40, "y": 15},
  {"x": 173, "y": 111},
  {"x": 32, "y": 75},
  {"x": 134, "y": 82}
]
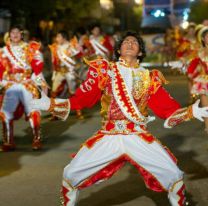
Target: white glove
[
  {"x": 41, "y": 104},
  {"x": 199, "y": 112},
  {"x": 176, "y": 64}
]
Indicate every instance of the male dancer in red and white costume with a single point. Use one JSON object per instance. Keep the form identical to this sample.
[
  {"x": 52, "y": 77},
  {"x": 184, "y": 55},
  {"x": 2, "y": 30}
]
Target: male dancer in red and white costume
[
  {"x": 21, "y": 65},
  {"x": 64, "y": 62},
  {"x": 125, "y": 90}
]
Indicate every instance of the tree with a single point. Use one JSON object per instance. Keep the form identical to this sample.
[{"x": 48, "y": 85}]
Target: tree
[
  {"x": 30, "y": 13},
  {"x": 199, "y": 11}
]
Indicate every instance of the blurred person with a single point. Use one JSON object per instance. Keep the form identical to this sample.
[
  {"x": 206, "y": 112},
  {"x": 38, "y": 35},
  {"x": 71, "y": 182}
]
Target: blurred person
[
  {"x": 198, "y": 70},
  {"x": 126, "y": 90},
  {"x": 102, "y": 44},
  {"x": 86, "y": 51},
  {"x": 187, "y": 49},
  {"x": 64, "y": 61},
  {"x": 21, "y": 67}
]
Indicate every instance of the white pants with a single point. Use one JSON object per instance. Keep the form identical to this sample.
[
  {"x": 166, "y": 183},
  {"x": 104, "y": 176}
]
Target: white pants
[
  {"x": 60, "y": 77},
  {"x": 151, "y": 156},
  {"x": 13, "y": 96}
]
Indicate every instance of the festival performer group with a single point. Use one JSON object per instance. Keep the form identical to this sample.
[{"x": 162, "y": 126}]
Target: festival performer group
[
  {"x": 125, "y": 90},
  {"x": 21, "y": 76}
]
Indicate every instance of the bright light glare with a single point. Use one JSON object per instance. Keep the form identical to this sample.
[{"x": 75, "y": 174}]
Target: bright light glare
[
  {"x": 186, "y": 14},
  {"x": 106, "y": 4},
  {"x": 158, "y": 13},
  {"x": 185, "y": 24},
  {"x": 138, "y": 1}
]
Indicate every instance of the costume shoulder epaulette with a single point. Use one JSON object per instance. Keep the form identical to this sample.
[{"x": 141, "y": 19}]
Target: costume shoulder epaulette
[
  {"x": 32, "y": 49},
  {"x": 96, "y": 62},
  {"x": 101, "y": 66},
  {"x": 52, "y": 46},
  {"x": 157, "y": 79},
  {"x": 34, "y": 45}
]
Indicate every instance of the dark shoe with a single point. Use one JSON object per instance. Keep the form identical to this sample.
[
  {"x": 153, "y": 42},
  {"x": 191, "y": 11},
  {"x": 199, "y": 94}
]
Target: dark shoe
[{"x": 6, "y": 147}]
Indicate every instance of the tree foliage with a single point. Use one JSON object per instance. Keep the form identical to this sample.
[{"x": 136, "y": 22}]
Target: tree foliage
[
  {"x": 31, "y": 12},
  {"x": 199, "y": 11}
]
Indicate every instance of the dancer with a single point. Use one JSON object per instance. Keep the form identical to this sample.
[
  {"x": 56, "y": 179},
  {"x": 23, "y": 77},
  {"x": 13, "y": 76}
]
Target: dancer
[
  {"x": 125, "y": 90},
  {"x": 198, "y": 71},
  {"x": 64, "y": 62},
  {"x": 21, "y": 65}
]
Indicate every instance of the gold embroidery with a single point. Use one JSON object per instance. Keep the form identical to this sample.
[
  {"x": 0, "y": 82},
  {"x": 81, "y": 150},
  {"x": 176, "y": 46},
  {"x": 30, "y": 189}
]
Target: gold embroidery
[
  {"x": 181, "y": 115},
  {"x": 141, "y": 83},
  {"x": 59, "y": 109}
]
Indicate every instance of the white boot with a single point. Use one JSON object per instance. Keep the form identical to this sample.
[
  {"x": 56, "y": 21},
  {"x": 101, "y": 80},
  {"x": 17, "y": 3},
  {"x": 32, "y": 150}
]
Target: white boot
[
  {"x": 69, "y": 193},
  {"x": 176, "y": 194}
]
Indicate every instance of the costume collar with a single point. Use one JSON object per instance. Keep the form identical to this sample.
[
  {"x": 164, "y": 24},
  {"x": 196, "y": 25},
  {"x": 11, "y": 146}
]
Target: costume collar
[{"x": 124, "y": 63}]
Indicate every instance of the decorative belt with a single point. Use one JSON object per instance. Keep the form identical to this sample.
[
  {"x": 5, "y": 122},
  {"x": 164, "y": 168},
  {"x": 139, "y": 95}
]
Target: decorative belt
[
  {"x": 122, "y": 126},
  {"x": 19, "y": 75}
]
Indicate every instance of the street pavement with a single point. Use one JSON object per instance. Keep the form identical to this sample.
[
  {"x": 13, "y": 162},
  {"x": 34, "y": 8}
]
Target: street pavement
[{"x": 29, "y": 178}]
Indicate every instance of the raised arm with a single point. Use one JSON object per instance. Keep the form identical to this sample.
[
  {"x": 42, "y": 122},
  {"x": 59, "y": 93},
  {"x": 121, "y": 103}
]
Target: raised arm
[{"x": 88, "y": 94}]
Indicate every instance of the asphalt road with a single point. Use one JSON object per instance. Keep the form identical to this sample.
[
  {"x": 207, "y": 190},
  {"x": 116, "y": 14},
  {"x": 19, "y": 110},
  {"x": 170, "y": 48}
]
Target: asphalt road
[{"x": 30, "y": 178}]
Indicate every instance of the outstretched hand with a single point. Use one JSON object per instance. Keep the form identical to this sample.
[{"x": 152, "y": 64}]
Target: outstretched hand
[
  {"x": 41, "y": 104},
  {"x": 176, "y": 64},
  {"x": 199, "y": 112}
]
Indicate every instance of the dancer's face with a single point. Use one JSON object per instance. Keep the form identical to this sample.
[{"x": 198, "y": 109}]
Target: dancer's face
[
  {"x": 15, "y": 35},
  {"x": 191, "y": 31},
  {"x": 96, "y": 31},
  {"x": 129, "y": 47},
  {"x": 60, "y": 39},
  {"x": 206, "y": 39}
]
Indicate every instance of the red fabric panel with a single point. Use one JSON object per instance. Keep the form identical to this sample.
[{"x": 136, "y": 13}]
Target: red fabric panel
[
  {"x": 107, "y": 43},
  {"x": 88, "y": 98},
  {"x": 18, "y": 112},
  {"x": 191, "y": 70},
  {"x": 37, "y": 66},
  {"x": 2, "y": 69},
  {"x": 162, "y": 104},
  {"x": 107, "y": 172}
]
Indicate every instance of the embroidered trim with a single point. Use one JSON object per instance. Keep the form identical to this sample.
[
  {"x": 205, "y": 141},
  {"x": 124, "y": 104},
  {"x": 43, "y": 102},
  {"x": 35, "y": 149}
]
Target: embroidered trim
[
  {"x": 14, "y": 57},
  {"x": 179, "y": 116},
  {"x": 59, "y": 109},
  {"x": 124, "y": 99}
]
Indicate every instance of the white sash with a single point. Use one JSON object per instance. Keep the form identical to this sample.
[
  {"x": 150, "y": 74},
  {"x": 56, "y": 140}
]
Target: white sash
[
  {"x": 134, "y": 116},
  {"x": 15, "y": 57},
  {"x": 99, "y": 48},
  {"x": 66, "y": 60}
]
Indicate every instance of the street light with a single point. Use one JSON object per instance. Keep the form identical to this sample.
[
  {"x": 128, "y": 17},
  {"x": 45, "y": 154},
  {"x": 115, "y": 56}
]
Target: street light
[
  {"x": 106, "y": 4},
  {"x": 139, "y": 2}
]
